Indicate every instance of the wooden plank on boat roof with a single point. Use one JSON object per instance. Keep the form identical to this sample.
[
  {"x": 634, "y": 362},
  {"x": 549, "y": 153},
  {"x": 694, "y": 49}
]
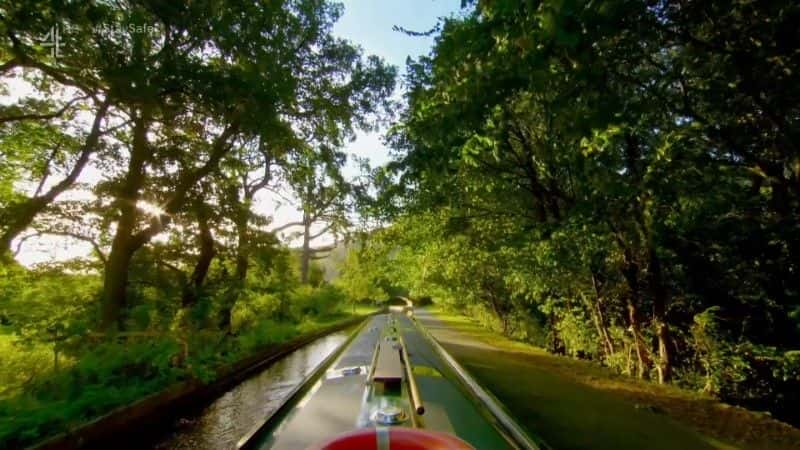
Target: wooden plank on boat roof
[{"x": 388, "y": 366}]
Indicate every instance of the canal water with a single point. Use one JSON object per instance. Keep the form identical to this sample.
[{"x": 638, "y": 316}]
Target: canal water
[{"x": 221, "y": 424}]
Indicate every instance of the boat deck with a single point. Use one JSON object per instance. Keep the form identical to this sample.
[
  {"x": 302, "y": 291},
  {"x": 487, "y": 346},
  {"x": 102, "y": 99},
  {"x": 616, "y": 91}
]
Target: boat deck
[{"x": 337, "y": 401}]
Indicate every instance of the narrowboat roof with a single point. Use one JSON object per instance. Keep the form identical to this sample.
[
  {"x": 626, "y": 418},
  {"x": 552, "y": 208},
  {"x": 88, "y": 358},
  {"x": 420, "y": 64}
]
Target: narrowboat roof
[{"x": 354, "y": 389}]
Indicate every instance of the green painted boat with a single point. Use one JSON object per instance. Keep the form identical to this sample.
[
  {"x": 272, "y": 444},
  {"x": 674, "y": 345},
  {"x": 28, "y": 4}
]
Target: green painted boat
[{"x": 391, "y": 386}]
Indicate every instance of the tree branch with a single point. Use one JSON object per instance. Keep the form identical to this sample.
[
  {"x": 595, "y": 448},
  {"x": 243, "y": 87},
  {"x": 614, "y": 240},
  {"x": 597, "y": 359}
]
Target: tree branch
[
  {"x": 23, "y": 60},
  {"x": 173, "y": 268},
  {"x": 322, "y": 249},
  {"x": 89, "y": 147},
  {"x": 219, "y": 148},
  {"x": 257, "y": 186},
  {"x": 23, "y": 213},
  {"x": 285, "y": 226},
  {"x": 264, "y": 181},
  {"x": 8, "y": 65},
  {"x": 46, "y": 174},
  {"x": 320, "y": 233},
  {"x": 44, "y": 116},
  {"x": 97, "y": 249}
]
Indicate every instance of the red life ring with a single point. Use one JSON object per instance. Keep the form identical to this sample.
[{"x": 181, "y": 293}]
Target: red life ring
[{"x": 397, "y": 438}]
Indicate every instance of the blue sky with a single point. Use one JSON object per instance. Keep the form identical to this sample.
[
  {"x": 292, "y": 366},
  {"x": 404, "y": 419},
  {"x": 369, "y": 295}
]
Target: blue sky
[{"x": 369, "y": 23}]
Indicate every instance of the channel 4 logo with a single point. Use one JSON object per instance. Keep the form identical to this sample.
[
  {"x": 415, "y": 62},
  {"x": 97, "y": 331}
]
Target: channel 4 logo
[{"x": 52, "y": 40}]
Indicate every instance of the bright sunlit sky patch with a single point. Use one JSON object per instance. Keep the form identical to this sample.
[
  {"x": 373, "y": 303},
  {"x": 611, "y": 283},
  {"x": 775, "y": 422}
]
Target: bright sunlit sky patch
[{"x": 367, "y": 23}]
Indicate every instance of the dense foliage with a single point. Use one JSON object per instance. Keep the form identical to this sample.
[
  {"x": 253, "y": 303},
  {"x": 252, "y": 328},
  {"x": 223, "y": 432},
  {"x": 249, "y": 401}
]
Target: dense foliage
[
  {"x": 615, "y": 180},
  {"x": 146, "y": 131}
]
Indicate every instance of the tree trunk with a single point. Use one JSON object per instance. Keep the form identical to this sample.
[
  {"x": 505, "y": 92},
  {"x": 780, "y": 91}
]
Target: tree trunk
[
  {"x": 638, "y": 341},
  {"x": 115, "y": 280},
  {"x": 633, "y": 159},
  {"x": 600, "y": 323},
  {"x": 228, "y": 301},
  {"x": 242, "y": 233},
  {"x": 241, "y": 222},
  {"x": 305, "y": 256},
  {"x": 556, "y": 345},
  {"x": 242, "y": 249},
  {"x": 498, "y": 312},
  {"x": 207, "y": 253},
  {"x": 631, "y": 273},
  {"x": 230, "y": 297},
  {"x": 602, "y": 332},
  {"x": 661, "y": 328},
  {"x": 604, "y": 327},
  {"x": 126, "y": 242}
]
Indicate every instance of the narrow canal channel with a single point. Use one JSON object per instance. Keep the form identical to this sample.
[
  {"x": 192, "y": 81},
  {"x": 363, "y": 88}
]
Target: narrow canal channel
[{"x": 228, "y": 418}]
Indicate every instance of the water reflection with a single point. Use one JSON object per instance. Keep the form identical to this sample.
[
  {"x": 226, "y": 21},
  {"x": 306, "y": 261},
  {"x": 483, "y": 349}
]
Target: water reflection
[{"x": 226, "y": 420}]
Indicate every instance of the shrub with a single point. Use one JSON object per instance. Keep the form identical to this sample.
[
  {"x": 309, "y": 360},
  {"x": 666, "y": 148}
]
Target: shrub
[
  {"x": 723, "y": 364},
  {"x": 110, "y": 375},
  {"x": 307, "y": 300},
  {"x": 578, "y": 338},
  {"x": 22, "y": 363},
  {"x": 265, "y": 332},
  {"x": 423, "y": 300},
  {"x": 252, "y": 308}
]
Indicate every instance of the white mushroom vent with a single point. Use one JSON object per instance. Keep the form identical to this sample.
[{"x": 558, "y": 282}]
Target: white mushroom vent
[{"x": 390, "y": 415}]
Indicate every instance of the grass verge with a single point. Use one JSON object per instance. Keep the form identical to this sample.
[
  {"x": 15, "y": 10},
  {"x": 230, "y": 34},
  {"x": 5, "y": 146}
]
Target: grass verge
[
  {"x": 113, "y": 374},
  {"x": 573, "y": 404}
]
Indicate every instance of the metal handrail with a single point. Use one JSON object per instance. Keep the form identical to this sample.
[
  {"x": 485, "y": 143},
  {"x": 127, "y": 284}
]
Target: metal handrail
[
  {"x": 509, "y": 425},
  {"x": 374, "y": 361},
  {"x": 416, "y": 399}
]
